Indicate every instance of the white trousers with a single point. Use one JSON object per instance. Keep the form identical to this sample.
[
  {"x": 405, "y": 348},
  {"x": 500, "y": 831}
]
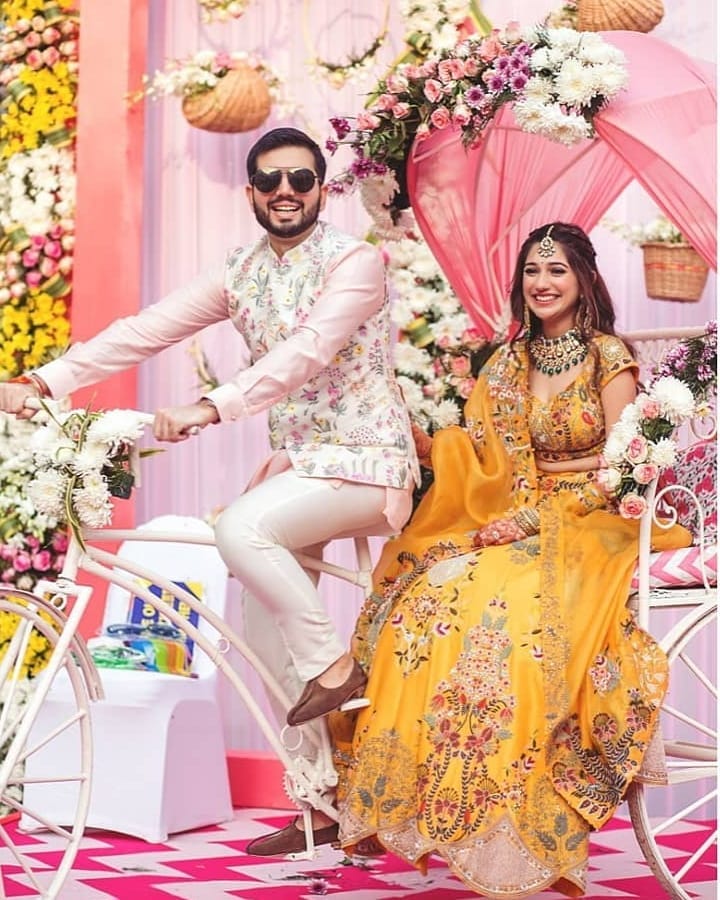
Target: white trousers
[{"x": 256, "y": 536}]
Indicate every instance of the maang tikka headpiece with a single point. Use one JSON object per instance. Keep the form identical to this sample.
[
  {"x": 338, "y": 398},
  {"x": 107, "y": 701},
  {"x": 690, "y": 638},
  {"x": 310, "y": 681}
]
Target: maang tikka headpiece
[{"x": 547, "y": 244}]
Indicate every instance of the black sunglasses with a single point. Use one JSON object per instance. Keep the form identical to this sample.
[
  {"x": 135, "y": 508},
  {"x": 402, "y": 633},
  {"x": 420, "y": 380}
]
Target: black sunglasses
[{"x": 268, "y": 180}]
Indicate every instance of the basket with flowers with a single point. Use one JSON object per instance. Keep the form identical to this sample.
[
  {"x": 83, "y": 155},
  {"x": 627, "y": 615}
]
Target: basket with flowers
[
  {"x": 220, "y": 91},
  {"x": 674, "y": 270}
]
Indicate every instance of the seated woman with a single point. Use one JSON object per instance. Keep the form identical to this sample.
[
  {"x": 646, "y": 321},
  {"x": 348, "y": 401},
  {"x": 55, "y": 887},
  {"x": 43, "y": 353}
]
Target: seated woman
[{"x": 513, "y": 697}]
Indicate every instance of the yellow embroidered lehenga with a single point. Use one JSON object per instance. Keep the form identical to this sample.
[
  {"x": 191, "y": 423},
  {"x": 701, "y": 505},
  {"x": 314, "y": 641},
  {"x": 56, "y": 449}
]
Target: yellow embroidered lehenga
[{"x": 512, "y": 695}]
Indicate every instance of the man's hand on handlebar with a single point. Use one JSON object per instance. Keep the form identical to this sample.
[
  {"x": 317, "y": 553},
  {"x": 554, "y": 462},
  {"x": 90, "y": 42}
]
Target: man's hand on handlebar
[
  {"x": 13, "y": 397},
  {"x": 178, "y": 423}
]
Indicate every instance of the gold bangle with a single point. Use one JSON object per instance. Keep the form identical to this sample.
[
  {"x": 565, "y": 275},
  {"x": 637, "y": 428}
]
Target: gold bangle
[{"x": 528, "y": 519}]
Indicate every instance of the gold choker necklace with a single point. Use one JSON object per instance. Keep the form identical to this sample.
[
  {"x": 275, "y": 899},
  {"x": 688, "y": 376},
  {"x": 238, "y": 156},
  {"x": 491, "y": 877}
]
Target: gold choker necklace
[{"x": 551, "y": 356}]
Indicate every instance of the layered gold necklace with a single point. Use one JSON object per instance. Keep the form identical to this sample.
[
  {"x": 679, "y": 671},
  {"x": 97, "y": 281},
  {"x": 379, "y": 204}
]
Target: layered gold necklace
[{"x": 551, "y": 356}]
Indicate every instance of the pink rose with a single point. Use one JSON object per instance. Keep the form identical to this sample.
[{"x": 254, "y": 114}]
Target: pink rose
[
  {"x": 460, "y": 365},
  {"x": 33, "y": 278},
  {"x": 59, "y": 542},
  {"x": 48, "y": 267},
  {"x": 440, "y": 118},
  {"x": 32, "y": 40},
  {"x": 385, "y": 102},
  {"x": 461, "y": 114},
  {"x": 644, "y": 473},
  {"x": 470, "y": 68},
  {"x": 367, "y": 122},
  {"x": 37, "y": 241},
  {"x": 42, "y": 561},
  {"x": 50, "y": 35},
  {"x": 396, "y": 83},
  {"x": 22, "y": 562},
  {"x": 490, "y": 47},
  {"x": 450, "y": 69},
  {"x": 423, "y": 131},
  {"x": 401, "y": 110},
  {"x": 465, "y": 387},
  {"x": 34, "y": 60},
  {"x": 53, "y": 249},
  {"x": 50, "y": 56},
  {"x": 428, "y": 69},
  {"x": 30, "y": 258},
  {"x": 632, "y": 506},
  {"x": 432, "y": 90},
  {"x": 637, "y": 450},
  {"x": 649, "y": 408}
]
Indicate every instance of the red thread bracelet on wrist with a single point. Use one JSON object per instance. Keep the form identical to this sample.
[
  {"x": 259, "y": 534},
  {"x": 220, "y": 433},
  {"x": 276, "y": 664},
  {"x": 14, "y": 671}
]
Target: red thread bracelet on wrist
[{"x": 34, "y": 381}]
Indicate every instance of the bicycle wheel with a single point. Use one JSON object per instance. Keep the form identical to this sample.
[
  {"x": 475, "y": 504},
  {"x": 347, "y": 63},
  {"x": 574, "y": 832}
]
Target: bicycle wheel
[
  {"x": 31, "y": 787},
  {"x": 675, "y": 824}
]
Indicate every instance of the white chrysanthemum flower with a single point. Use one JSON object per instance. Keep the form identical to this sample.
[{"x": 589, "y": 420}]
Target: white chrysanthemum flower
[
  {"x": 91, "y": 458},
  {"x": 446, "y": 413},
  {"x": 92, "y": 505},
  {"x": 663, "y": 453},
  {"x": 116, "y": 426},
  {"x": 574, "y": 83},
  {"x": 564, "y": 40},
  {"x": 538, "y": 89},
  {"x": 566, "y": 128},
  {"x": 610, "y": 78},
  {"x": 445, "y": 37},
  {"x": 412, "y": 360},
  {"x": 675, "y": 398},
  {"x": 614, "y": 450},
  {"x": 450, "y": 327},
  {"x": 446, "y": 304},
  {"x": 540, "y": 59},
  {"x": 47, "y": 492},
  {"x": 630, "y": 415}
]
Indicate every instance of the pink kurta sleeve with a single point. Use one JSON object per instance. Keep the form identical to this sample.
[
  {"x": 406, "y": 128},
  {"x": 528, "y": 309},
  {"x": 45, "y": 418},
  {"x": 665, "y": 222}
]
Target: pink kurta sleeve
[
  {"x": 132, "y": 339},
  {"x": 354, "y": 290}
]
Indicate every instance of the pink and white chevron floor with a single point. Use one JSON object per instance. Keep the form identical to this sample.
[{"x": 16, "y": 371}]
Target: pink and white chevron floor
[{"x": 210, "y": 864}]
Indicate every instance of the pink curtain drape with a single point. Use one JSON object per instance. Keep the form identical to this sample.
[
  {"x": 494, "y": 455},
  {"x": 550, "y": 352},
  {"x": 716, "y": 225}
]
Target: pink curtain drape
[{"x": 475, "y": 207}]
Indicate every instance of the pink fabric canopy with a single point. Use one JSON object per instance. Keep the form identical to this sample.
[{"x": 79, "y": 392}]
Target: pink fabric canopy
[{"x": 475, "y": 207}]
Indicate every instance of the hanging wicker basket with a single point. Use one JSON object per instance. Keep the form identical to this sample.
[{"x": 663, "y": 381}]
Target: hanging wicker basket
[
  {"x": 673, "y": 271},
  {"x": 240, "y": 101},
  {"x": 619, "y": 15}
]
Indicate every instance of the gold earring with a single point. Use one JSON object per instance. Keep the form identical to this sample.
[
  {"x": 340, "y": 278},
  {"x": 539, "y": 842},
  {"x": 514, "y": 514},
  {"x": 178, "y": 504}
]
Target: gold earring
[{"x": 527, "y": 324}]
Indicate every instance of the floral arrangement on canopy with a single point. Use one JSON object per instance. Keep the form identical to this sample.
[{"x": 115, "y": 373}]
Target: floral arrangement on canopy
[
  {"x": 38, "y": 85},
  {"x": 642, "y": 442},
  {"x": 556, "y": 79},
  {"x": 82, "y": 459}
]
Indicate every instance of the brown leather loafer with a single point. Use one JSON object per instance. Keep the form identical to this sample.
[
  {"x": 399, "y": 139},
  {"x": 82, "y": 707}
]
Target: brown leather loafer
[
  {"x": 290, "y": 839},
  {"x": 316, "y": 700}
]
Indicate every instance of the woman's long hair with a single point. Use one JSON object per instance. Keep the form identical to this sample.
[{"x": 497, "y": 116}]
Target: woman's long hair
[{"x": 595, "y": 311}]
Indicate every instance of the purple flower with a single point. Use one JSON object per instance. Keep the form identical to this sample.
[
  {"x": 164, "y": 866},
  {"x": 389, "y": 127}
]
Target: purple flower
[
  {"x": 341, "y": 126},
  {"x": 518, "y": 81},
  {"x": 497, "y": 82},
  {"x": 331, "y": 145},
  {"x": 474, "y": 96}
]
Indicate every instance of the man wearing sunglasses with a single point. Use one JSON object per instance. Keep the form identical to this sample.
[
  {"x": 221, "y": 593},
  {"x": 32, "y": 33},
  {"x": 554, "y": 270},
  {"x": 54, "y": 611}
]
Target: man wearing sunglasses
[{"x": 311, "y": 304}]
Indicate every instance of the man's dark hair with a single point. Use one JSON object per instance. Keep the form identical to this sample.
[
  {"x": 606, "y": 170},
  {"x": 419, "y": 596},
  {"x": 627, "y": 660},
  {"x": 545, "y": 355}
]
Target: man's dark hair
[{"x": 285, "y": 137}]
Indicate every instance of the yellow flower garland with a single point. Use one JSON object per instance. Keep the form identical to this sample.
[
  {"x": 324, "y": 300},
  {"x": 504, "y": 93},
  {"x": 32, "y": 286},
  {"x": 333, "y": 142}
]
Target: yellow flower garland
[{"x": 39, "y": 108}]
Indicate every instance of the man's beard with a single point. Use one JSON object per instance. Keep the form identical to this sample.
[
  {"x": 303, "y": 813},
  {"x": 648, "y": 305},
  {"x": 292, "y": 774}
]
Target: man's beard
[{"x": 308, "y": 218}]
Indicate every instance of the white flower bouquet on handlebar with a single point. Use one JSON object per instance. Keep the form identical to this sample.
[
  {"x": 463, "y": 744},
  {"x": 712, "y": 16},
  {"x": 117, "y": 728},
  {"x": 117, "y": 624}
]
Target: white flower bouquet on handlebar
[{"x": 84, "y": 458}]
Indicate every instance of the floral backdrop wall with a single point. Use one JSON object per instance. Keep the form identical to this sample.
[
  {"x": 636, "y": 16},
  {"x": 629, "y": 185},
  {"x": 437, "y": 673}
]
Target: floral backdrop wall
[{"x": 39, "y": 55}]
